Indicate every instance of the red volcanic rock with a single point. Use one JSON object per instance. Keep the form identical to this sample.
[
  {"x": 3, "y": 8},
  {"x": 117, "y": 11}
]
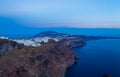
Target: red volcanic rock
[{"x": 48, "y": 60}]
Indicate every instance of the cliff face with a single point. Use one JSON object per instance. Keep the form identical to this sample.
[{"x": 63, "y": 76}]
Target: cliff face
[
  {"x": 7, "y": 45},
  {"x": 48, "y": 60},
  {"x": 74, "y": 42},
  {"x": 51, "y": 59}
]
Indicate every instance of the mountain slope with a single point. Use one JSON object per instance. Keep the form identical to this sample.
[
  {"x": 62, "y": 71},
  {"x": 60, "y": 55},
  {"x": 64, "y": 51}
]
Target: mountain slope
[
  {"x": 49, "y": 34},
  {"x": 48, "y": 60}
]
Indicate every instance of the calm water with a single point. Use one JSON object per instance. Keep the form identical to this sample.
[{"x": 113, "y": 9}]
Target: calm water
[
  {"x": 97, "y": 58},
  {"x": 27, "y": 32}
]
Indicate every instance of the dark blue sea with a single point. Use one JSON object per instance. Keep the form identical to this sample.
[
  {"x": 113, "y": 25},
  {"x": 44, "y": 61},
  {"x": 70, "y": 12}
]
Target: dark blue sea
[{"x": 97, "y": 58}]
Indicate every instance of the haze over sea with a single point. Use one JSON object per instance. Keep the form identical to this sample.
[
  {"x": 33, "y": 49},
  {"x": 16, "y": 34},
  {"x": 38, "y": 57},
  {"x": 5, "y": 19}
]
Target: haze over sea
[{"x": 28, "y": 32}]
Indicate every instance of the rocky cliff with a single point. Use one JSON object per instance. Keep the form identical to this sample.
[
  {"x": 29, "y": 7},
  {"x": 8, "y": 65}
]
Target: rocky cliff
[{"x": 49, "y": 60}]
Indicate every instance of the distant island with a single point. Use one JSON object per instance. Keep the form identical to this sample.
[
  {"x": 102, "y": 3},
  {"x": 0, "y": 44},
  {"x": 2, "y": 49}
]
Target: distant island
[{"x": 47, "y": 54}]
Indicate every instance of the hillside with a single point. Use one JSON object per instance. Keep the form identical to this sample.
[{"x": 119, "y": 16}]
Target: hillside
[{"x": 48, "y": 60}]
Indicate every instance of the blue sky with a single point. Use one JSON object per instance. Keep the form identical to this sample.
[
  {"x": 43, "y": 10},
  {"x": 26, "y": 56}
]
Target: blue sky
[{"x": 24, "y": 14}]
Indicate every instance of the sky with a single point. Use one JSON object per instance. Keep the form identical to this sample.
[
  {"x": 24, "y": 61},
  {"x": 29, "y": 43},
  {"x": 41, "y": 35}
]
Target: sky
[{"x": 17, "y": 15}]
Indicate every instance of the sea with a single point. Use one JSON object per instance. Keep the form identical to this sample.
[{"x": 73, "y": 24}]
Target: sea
[{"x": 98, "y": 57}]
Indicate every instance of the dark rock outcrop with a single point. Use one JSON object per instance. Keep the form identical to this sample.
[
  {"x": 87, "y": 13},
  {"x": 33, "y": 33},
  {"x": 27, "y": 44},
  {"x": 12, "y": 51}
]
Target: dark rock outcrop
[
  {"x": 107, "y": 75},
  {"x": 7, "y": 45},
  {"x": 72, "y": 43},
  {"x": 49, "y": 60}
]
